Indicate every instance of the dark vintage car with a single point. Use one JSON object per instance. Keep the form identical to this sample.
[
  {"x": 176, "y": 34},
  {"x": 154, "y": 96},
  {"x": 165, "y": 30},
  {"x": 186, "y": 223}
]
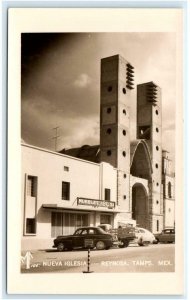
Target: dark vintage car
[
  {"x": 84, "y": 237},
  {"x": 166, "y": 236}
]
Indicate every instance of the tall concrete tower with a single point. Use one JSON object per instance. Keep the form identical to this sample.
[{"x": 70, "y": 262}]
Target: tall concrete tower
[
  {"x": 117, "y": 84},
  {"x": 149, "y": 121}
]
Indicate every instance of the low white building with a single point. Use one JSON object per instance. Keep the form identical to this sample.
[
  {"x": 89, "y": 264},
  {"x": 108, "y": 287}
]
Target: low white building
[{"x": 61, "y": 193}]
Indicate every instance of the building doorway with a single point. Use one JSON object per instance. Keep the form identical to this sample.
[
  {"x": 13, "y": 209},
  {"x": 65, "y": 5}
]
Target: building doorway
[{"x": 140, "y": 205}]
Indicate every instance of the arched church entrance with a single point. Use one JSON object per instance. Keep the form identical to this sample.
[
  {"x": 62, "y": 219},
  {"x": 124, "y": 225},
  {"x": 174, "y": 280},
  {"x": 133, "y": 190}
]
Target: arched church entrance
[
  {"x": 141, "y": 176},
  {"x": 140, "y": 205}
]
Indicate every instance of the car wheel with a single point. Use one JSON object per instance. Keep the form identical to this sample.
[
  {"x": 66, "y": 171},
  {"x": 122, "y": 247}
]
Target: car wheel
[
  {"x": 157, "y": 241},
  {"x": 100, "y": 245},
  {"x": 140, "y": 242},
  {"x": 124, "y": 244},
  {"x": 60, "y": 247},
  {"x": 108, "y": 247}
]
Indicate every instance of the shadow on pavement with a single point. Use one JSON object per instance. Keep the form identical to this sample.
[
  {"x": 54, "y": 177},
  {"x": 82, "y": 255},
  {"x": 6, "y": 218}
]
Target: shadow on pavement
[{"x": 92, "y": 250}]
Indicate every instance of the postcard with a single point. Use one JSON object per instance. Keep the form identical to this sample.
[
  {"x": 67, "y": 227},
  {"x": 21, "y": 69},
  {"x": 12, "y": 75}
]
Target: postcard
[{"x": 95, "y": 151}]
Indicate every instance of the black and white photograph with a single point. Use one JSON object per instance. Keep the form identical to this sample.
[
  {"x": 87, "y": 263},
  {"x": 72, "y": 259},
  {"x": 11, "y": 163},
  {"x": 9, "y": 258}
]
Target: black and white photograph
[
  {"x": 98, "y": 110},
  {"x": 98, "y": 152}
]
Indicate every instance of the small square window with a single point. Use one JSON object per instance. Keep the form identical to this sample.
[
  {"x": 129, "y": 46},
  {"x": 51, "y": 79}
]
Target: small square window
[{"x": 66, "y": 169}]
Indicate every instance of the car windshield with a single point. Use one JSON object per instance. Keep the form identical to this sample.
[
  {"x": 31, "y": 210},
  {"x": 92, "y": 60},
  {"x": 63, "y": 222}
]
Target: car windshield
[{"x": 78, "y": 231}]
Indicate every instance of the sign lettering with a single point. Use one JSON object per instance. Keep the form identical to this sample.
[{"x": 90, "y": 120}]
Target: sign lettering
[{"x": 97, "y": 203}]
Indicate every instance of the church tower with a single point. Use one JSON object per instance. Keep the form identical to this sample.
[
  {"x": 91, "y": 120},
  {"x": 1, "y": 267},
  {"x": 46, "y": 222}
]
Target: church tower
[
  {"x": 149, "y": 122},
  {"x": 117, "y": 84}
]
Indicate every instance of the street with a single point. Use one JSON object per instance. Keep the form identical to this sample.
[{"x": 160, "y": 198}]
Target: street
[{"x": 152, "y": 258}]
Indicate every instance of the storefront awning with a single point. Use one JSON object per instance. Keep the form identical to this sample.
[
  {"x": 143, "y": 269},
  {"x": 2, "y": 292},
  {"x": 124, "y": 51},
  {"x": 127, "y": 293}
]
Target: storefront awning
[{"x": 58, "y": 207}]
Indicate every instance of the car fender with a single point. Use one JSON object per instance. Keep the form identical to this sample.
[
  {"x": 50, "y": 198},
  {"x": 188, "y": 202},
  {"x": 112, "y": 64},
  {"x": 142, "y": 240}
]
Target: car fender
[{"x": 67, "y": 241}]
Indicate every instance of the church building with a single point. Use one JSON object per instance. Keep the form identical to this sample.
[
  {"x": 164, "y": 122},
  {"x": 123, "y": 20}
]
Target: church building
[{"x": 119, "y": 181}]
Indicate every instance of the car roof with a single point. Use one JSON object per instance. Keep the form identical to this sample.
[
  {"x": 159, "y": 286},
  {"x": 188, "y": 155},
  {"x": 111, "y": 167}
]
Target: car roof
[
  {"x": 88, "y": 227},
  {"x": 169, "y": 229},
  {"x": 141, "y": 228},
  {"x": 144, "y": 229}
]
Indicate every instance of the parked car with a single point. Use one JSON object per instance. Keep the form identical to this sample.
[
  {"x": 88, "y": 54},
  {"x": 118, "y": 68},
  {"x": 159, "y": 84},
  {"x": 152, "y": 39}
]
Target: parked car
[
  {"x": 166, "y": 236},
  {"x": 122, "y": 236},
  {"x": 144, "y": 236},
  {"x": 105, "y": 227},
  {"x": 84, "y": 237}
]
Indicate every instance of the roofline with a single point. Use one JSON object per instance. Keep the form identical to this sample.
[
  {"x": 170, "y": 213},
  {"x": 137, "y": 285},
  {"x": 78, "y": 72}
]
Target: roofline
[
  {"x": 65, "y": 155},
  {"x": 148, "y": 82},
  {"x": 80, "y": 147},
  {"x": 59, "y": 154},
  {"x": 116, "y": 57}
]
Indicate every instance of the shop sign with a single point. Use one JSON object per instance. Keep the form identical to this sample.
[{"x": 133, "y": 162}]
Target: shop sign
[{"x": 95, "y": 203}]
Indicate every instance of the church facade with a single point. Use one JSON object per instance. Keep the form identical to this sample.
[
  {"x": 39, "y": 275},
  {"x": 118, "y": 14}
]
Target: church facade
[{"x": 119, "y": 181}]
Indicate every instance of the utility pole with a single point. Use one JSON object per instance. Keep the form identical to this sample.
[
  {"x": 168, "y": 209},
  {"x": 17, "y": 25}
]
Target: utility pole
[{"x": 56, "y": 136}]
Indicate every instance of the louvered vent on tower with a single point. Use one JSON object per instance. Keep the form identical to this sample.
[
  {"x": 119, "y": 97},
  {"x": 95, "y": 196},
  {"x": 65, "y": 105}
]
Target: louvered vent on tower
[
  {"x": 151, "y": 93},
  {"x": 129, "y": 76}
]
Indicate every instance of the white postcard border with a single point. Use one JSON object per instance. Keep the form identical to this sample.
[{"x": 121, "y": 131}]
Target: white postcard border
[{"x": 85, "y": 20}]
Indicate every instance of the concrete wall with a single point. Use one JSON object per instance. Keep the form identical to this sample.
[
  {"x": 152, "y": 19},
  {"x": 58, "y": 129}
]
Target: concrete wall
[
  {"x": 169, "y": 216},
  {"x": 166, "y": 180},
  {"x": 169, "y": 201},
  {"x": 87, "y": 180},
  {"x": 49, "y": 168},
  {"x": 107, "y": 181}
]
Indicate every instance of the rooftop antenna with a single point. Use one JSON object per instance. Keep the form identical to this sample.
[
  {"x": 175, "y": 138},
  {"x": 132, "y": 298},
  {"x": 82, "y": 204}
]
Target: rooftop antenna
[{"x": 56, "y": 136}]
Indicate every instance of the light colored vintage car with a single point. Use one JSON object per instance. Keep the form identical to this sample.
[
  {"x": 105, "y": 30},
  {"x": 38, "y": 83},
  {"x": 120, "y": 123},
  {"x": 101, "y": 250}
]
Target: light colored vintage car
[{"x": 144, "y": 236}]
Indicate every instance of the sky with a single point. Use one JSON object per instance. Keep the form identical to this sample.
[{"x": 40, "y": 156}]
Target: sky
[{"x": 60, "y": 83}]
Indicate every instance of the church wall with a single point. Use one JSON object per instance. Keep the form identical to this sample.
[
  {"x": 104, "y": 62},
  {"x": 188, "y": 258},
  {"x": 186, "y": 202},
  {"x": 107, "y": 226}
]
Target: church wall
[{"x": 169, "y": 216}]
